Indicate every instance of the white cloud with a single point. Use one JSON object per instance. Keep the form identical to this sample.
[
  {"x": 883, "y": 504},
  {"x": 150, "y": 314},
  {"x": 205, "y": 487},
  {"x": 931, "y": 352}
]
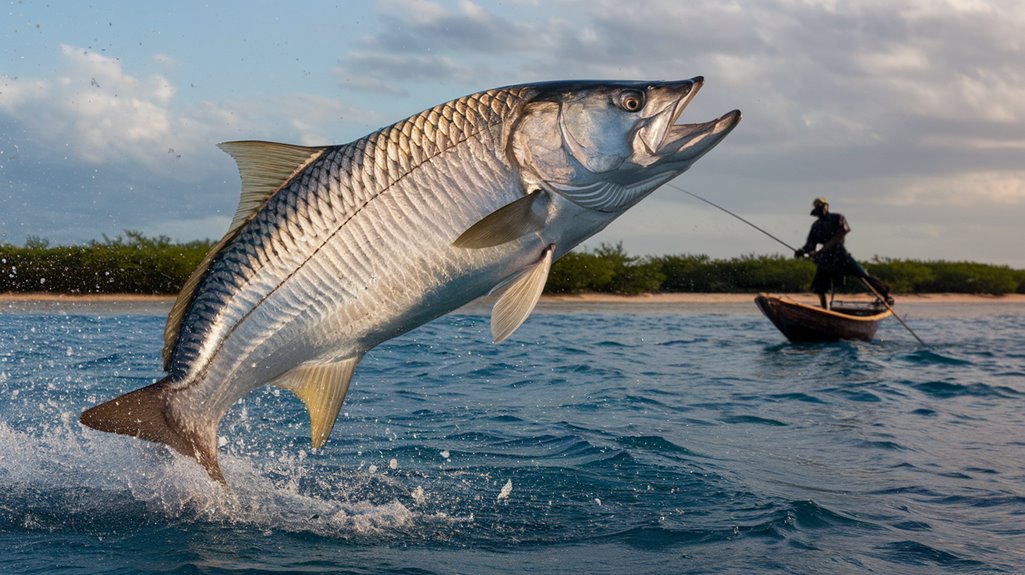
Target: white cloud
[
  {"x": 310, "y": 117},
  {"x": 165, "y": 60},
  {"x": 98, "y": 149},
  {"x": 906, "y": 113},
  {"x": 833, "y": 81},
  {"x": 97, "y": 112},
  {"x": 103, "y": 115},
  {"x": 474, "y": 12},
  {"x": 1006, "y": 188},
  {"x": 895, "y": 60},
  {"x": 420, "y": 12}
]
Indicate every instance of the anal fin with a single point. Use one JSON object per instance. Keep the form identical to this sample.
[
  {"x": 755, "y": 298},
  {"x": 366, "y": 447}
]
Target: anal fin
[
  {"x": 519, "y": 297},
  {"x": 322, "y": 387}
]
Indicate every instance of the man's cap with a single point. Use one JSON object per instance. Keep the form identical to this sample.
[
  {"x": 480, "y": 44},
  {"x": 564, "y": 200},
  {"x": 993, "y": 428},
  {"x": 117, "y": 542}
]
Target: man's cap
[{"x": 817, "y": 205}]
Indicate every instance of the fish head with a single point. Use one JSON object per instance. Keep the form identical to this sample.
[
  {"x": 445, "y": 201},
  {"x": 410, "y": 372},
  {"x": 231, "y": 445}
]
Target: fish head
[{"x": 607, "y": 145}]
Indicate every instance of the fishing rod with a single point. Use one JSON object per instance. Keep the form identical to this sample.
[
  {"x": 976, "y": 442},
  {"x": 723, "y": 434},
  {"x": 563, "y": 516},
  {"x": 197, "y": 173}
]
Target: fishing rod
[
  {"x": 791, "y": 248},
  {"x": 887, "y": 304}
]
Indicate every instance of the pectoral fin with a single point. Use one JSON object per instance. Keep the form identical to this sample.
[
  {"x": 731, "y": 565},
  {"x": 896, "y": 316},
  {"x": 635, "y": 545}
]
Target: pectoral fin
[
  {"x": 322, "y": 388},
  {"x": 524, "y": 216},
  {"x": 519, "y": 297}
]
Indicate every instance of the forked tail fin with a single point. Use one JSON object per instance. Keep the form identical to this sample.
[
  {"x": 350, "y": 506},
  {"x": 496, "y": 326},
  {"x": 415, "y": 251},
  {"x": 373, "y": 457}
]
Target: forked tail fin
[{"x": 143, "y": 413}]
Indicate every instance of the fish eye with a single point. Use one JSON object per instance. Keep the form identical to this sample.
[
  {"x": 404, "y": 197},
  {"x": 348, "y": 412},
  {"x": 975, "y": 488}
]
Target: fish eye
[{"x": 631, "y": 101}]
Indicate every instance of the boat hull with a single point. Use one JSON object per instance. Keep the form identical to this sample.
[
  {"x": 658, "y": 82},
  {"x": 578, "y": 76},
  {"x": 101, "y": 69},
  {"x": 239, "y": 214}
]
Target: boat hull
[{"x": 805, "y": 323}]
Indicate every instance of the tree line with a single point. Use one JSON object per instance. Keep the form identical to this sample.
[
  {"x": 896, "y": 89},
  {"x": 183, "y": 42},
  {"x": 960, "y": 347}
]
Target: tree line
[{"x": 137, "y": 264}]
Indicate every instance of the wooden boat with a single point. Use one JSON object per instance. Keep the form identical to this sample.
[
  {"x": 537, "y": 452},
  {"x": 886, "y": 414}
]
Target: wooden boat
[{"x": 800, "y": 322}]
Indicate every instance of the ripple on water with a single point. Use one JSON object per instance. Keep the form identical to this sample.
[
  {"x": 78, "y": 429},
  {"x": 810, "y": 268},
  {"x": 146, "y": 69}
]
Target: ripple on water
[
  {"x": 671, "y": 442},
  {"x": 909, "y": 552},
  {"x": 949, "y": 389}
]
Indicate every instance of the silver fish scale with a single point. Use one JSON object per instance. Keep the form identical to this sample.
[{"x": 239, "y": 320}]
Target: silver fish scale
[{"x": 299, "y": 220}]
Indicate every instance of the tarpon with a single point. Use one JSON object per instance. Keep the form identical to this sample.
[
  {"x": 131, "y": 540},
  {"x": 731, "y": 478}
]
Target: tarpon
[{"x": 336, "y": 249}]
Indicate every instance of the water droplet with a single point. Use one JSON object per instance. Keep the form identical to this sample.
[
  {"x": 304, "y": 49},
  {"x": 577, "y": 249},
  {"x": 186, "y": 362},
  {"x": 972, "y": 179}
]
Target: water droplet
[{"x": 506, "y": 490}]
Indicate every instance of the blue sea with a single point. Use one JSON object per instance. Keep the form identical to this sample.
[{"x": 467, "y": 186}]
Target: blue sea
[{"x": 601, "y": 438}]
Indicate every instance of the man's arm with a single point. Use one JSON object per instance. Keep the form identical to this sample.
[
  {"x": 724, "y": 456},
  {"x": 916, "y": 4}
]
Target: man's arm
[{"x": 809, "y": 244}]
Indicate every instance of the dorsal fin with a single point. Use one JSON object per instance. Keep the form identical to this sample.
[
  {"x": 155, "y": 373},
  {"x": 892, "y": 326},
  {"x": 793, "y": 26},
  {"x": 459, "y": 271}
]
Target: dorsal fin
[{"x": 265, "y": 167}]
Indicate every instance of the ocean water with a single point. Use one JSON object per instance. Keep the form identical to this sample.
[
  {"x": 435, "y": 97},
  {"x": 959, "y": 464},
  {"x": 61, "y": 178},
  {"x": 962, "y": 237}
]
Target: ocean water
[{"x": 598, "y": 439}]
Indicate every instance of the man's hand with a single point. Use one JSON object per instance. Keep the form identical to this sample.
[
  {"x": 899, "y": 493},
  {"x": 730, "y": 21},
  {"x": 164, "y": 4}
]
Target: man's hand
[{"x": 799, "y": 254}]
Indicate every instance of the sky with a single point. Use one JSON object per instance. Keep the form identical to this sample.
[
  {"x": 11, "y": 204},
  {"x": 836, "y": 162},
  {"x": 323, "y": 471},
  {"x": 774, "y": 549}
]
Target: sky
[{"x": 908, "y": 116}]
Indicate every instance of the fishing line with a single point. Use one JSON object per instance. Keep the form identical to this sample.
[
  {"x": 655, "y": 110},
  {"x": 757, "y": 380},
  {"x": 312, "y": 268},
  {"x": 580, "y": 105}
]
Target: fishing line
[
  {"x": 788, "y": 246},
  {"x": 717, "y": 206}
]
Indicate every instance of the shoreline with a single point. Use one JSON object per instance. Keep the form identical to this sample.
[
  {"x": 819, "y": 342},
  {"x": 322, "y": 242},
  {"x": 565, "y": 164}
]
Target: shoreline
[
  {"x": 715, "y": 298},
  {"x": 586, "y": 298}
]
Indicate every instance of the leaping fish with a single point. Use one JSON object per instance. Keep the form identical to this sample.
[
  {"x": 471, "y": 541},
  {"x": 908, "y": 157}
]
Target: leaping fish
[{"x": 336, "y": 249}]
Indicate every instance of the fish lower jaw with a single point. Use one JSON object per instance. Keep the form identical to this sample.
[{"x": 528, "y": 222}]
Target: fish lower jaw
[{"x": 692, "y": 141}]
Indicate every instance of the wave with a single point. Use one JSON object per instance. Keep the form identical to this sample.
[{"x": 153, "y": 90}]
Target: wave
[
  {"x": 753, "y": 419},
  {"x": 933, "y": 357},
  {"x": 64, "y": 480},
  {"x": 949, "y": 389},
  {"x": 587, "y": 438},
  {"x": 793, "y": 520},
  {"x": 909, "y": 552}
]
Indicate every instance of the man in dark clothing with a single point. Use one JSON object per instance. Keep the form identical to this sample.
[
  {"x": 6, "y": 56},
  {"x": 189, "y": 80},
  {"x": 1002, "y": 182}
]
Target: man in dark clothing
[{"x": 832, "y": 260}]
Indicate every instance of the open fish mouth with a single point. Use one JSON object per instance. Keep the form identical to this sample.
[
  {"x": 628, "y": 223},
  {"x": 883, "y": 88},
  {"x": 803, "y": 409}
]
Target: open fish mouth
[{"x": 687, "y": 142}]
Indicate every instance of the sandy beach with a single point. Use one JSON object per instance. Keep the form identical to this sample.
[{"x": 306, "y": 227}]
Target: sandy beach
[{"x": 660, "y": 298}]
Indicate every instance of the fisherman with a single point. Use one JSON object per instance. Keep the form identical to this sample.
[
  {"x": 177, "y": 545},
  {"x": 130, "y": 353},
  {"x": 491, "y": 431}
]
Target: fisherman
[{"x": 832, "y": 261}]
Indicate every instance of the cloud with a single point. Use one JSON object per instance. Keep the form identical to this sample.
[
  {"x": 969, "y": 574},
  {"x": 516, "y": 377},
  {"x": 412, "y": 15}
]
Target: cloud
[
  {"x": 418, "y": 43},
  {"x": 98, "y": 113},
  {"x": 898, "y": 111},
  {"x": 837, "y": 93},
  {"x": 994, "y": 188},
  {"x": 311, "y": 118},
  {"x": 375, "y": 71},
  {"x": 805, "y": 60},
  {"x": 98, "y": 149},
  {"x": 165, "y": 60}
]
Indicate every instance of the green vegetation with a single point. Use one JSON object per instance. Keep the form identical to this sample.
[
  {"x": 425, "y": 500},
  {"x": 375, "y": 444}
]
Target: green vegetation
[
  {"x": 910, "y": 276},
  {"x": 142, "y": 265},
  {"x": 742, "y": 274},
  {"x": 608, "y": 269},
  {"x": 133, "y": 264}
]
